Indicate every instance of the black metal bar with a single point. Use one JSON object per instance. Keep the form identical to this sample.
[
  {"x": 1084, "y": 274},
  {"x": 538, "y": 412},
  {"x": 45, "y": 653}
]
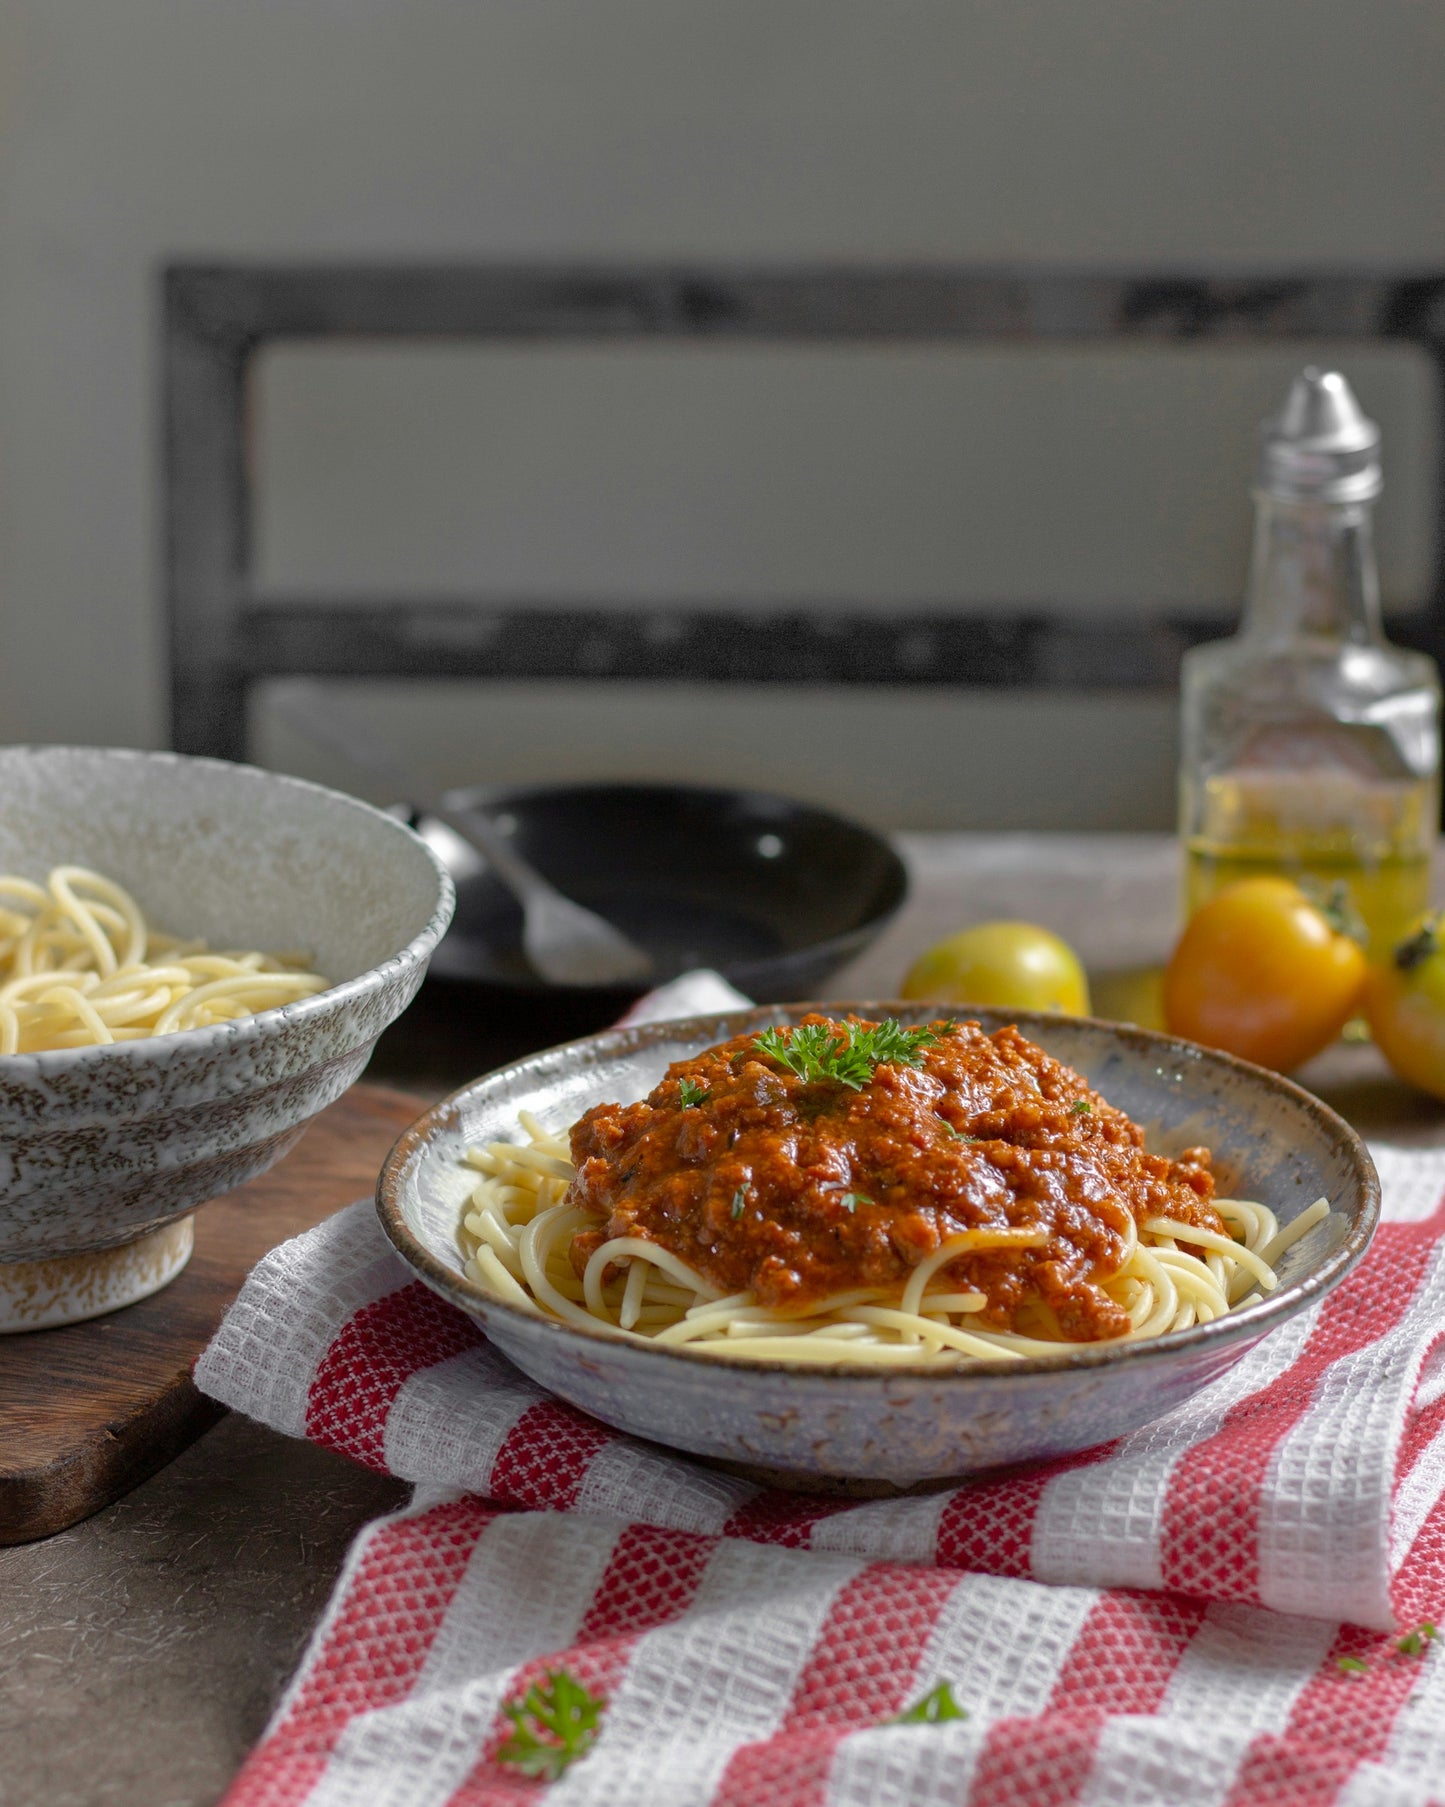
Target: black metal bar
[
  {"x": 223, "y": 639},
  {"x": 240, "y": 306},
  {"x": 206, "y": 529},
  {"x": 826, "y": 645}
]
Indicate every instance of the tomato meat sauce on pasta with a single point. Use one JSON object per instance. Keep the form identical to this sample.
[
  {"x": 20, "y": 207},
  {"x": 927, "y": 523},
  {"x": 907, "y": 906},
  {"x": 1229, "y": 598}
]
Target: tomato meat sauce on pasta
[{"x": 846, "y": 1190}]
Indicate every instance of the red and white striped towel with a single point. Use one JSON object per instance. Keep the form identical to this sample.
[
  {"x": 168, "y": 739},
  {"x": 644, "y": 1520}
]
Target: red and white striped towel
[{"x": 1156, "y": 1621}]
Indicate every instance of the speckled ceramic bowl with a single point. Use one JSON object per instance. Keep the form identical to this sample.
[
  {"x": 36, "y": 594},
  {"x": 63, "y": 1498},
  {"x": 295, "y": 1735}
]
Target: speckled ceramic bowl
[
  {"x": 862, "y": 1431},
  {"x": 104, "y": 1151}
]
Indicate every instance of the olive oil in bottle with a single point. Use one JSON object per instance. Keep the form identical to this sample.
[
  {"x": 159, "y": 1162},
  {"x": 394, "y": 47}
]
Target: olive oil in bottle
[{"x": 1311, "y": 747}]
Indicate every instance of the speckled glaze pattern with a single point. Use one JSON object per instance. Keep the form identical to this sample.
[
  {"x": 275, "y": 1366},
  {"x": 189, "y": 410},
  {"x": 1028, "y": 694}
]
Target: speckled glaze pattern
[
  {"x": 39, "y": 1295},
  {"x": 100, "y": 1146},
  {"x": 869, "y": 1432}
]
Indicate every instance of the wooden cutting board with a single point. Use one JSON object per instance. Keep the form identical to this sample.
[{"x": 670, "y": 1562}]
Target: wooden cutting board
[{"x": 90, "y": 1410}]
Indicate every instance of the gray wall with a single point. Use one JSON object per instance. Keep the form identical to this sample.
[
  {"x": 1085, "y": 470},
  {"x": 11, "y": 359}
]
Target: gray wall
[{"x": 1076, "y": 131}]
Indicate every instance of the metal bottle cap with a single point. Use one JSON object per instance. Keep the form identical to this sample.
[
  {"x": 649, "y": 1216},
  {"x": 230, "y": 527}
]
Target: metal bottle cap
[{"x": 1320, "y": 447}]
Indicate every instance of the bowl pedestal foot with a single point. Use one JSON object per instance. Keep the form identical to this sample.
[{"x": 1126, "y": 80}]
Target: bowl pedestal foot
[{"x": 40, "y": 1295}]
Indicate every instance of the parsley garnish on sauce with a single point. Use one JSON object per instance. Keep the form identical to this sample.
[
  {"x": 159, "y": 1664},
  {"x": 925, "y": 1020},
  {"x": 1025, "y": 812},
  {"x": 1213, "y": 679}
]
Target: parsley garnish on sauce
[
  {"x": 740, "y": 1199},
  {"x": 1081, "y": 1108},
  {"x": 556, "y": 1723},
  {"x": 690, "y": 1094},
  {"x": 935, "y": 1707},
  {"x": 850, "y": 1201},
  {"x": 845, "y": 1053}
]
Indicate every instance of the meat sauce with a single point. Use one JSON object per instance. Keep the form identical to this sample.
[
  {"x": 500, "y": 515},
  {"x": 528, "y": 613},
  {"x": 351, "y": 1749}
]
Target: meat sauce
[{"x": 797, "y": 1188}]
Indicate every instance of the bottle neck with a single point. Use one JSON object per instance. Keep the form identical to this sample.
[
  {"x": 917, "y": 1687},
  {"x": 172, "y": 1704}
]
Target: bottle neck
[{"x": 1312, "y": 573}]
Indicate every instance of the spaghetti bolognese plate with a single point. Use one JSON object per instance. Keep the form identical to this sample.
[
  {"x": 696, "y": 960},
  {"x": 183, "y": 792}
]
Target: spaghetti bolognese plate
[{"x": 864, "y": 1246}]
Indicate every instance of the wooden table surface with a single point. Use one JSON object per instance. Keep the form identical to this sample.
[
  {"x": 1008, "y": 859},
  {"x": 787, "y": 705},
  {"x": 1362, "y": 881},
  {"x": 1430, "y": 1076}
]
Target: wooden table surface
[{"x": 143, "y": 1650}]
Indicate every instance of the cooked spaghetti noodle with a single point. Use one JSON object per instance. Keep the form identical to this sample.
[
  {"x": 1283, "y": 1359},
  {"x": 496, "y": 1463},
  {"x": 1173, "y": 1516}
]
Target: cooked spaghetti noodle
[
  {"x": 533, "y": 1236},
  {"x": 80, "y": 966}
]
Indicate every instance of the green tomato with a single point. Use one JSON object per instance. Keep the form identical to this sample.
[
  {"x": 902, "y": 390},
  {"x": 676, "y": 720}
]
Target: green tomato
[
  {"x": 1012, "y": 965},
  {"x": 1404, "y": 1002}
]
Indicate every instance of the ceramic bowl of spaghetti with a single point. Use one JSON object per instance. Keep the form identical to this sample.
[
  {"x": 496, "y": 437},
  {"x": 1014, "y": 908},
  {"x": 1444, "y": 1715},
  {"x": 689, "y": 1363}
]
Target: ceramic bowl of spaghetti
[
  {"x": 870, "y": 1247},
  {"x": 195, "y": 959}
]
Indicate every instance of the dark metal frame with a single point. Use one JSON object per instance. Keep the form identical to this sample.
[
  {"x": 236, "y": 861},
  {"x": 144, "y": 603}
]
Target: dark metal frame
[{"x": 223, "y": 638}]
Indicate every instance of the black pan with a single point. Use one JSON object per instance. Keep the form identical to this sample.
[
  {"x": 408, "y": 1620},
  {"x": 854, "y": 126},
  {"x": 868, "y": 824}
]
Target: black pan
[{"x": 772, "y": 893}]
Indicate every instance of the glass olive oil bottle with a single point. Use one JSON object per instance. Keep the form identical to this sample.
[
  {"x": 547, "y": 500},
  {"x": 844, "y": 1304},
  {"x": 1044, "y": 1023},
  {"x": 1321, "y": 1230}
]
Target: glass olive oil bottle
[{"x": 1310, "y": 746}]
